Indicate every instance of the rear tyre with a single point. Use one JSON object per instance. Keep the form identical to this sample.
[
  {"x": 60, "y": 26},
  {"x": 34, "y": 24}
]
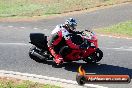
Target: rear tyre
[
  {"x": 95, "y": 57},
  {"x": 37, "y": 59}
]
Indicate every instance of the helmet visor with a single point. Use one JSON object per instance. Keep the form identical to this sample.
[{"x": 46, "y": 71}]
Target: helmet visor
[{"x": 73, "y": 27}]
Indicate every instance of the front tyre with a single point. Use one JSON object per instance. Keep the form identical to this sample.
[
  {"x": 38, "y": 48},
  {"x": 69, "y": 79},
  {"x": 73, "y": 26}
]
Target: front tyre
[
  {"x": 37, "y": 59},
  {"x": 95, "y": 57}
]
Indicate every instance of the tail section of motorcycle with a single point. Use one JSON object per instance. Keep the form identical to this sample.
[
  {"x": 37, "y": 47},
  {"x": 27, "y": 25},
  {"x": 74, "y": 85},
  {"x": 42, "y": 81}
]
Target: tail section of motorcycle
[{"x": 39, "y": 50}]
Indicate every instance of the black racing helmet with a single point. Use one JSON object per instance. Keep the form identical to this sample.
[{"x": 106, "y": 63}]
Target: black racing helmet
[{"x": 71, "y": 23}]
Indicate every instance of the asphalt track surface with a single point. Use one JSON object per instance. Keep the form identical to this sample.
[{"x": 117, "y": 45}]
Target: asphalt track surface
[{"x": 14, "y": 46}]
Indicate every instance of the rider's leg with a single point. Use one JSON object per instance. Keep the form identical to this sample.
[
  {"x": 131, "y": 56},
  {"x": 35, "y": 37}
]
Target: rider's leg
[{"x": 52, "y": 43}]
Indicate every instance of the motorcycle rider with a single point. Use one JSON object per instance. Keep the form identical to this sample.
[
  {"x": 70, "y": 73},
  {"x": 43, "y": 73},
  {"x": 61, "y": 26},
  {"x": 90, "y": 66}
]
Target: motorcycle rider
[{"x": 59, "y": 36}]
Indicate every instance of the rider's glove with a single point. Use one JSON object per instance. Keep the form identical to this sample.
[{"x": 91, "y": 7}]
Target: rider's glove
[{"x": 58, "y": 60}]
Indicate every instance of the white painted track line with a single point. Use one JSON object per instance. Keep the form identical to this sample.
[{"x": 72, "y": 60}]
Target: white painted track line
[
  {"x": 35, "y": 28},
  {"x": 15, "y": 44},
  {"x": 22, "y": 27},
  {"x": 116, "y": 48},
  {"x": 114, "y": 36},
  {"x": 10, "y": 26},
  {"x": 47, "y": 80}
]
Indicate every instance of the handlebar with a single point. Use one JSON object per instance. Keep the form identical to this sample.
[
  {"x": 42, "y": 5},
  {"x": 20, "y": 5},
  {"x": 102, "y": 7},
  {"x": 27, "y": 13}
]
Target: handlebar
[{"x": 90, "y": 31}]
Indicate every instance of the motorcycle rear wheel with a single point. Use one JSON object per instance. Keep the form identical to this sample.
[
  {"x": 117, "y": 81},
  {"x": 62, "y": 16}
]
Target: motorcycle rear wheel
[{"x": 95, "y": 57}]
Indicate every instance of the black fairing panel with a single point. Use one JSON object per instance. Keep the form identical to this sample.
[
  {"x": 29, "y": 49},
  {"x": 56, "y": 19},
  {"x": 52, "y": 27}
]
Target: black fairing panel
[{"x": 39, "y": 40}]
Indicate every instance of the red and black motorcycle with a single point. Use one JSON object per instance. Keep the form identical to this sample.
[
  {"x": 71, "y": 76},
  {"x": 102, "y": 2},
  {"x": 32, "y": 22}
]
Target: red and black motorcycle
[{"x": 88, "y": 52}]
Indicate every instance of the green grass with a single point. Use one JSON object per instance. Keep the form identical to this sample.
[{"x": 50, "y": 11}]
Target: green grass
[
  {"x": 29, "y": 8},
  {"x": 121, "y": 29},
  {"x": 17, "y": 8},
  {"x": 15, "y": 83}
]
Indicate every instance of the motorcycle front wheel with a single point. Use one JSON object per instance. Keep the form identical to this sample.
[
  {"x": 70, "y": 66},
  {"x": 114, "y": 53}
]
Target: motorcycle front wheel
[{"x": 95, "y": 57}]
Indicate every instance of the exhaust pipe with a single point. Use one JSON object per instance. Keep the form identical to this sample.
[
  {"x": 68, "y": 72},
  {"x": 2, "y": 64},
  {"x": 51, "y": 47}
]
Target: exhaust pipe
[{"x": 38, "y": 55}]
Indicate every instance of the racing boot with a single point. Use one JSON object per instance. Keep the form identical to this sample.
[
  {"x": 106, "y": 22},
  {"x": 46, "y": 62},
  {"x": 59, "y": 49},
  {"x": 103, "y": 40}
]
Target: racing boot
[{"x": 57, "y": 58}]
